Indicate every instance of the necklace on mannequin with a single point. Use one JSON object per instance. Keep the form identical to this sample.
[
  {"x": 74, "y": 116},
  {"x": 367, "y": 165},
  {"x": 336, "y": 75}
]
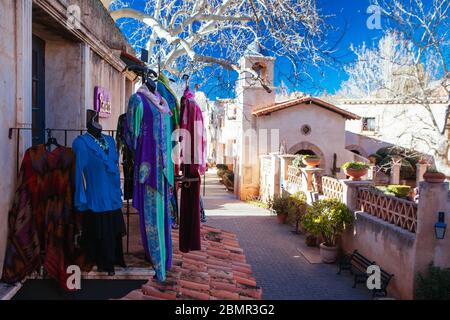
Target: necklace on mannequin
[{"x": 101, "y": 141}]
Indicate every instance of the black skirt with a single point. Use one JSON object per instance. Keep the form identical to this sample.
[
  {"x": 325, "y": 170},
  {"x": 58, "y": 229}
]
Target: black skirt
[{"x": 101, "y": 238}]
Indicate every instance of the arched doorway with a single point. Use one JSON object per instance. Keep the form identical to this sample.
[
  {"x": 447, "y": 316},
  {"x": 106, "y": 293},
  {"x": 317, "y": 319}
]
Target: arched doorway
[
  {"x": 309, "y": 148},
  {"x": 357, "y": 149},
  {"x": 305, "y": 152}
]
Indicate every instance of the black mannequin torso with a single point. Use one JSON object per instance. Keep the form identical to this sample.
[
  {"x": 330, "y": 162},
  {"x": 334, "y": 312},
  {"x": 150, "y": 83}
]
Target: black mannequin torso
[{"x": 94, "y": 128}]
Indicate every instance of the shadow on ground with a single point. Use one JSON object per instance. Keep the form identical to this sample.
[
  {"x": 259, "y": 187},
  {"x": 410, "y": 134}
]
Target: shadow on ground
[{"x": 90, "y": 290}]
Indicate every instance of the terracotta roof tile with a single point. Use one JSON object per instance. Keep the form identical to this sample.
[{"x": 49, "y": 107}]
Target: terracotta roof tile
[
  {"x": 218, "y": 271},
  {"x": 304, "y": 100}
]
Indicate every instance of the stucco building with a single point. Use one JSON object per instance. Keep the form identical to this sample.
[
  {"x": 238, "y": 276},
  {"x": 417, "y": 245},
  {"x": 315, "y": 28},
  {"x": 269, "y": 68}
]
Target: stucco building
[
  {"x": 386, "y": 122},
  {"x": 255, "y": 124},
  {"x": 54, "y": 56}
]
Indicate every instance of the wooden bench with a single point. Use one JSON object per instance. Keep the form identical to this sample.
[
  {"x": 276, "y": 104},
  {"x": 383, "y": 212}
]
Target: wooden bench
[{"x": 357, "y": 264}]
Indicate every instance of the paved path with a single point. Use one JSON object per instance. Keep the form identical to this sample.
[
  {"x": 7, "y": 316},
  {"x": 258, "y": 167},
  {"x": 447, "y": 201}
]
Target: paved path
[{"x": 271, "y": 249}]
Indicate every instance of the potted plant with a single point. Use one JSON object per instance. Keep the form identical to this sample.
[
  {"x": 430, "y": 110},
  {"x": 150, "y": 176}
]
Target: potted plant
[
  {"x": 298, "y": 161},
  {"x": 327, "y": 219},
  {"x": 311, "y": 240},
  {"x": 355, "y": 170},
  {"x": 434, "y": 176},
  {"x": 311, "y": 160},
  {"x": 297, "y": 209},
  {"x": 280, "y": 205}
]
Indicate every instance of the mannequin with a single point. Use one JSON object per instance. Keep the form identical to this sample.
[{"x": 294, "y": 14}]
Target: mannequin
[
  {"x": 98, "y": 196},
  {"x": 94, "y": 128}
]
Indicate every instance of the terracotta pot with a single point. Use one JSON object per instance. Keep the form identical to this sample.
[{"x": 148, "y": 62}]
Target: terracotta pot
[
  {"x": 355, "y": 174},
  {"x": 282, "y": 218},
  {"x": 311, "y": 162},
  {"x": 328, "y": 254},
  {"x": 311, "y": 241},
  {"x": 434, "y": 177}
]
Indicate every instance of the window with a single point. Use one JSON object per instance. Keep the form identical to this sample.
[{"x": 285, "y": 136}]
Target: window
[{"x": 368, "y": 124}]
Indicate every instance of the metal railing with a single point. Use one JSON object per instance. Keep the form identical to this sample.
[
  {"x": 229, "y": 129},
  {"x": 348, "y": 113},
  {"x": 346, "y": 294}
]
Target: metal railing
[{"x": 49, "y": 132}]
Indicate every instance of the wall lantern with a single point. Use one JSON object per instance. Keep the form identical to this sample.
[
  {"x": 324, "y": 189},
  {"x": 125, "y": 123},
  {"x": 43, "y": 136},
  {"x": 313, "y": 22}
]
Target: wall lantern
[{"x": 440, "y": 226}]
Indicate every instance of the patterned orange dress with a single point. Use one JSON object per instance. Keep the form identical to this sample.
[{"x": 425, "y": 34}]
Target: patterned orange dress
[{"x": 41, "y": 223}]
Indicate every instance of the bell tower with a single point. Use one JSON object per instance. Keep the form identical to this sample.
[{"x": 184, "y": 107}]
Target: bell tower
[{"x": 255, "y": 89}]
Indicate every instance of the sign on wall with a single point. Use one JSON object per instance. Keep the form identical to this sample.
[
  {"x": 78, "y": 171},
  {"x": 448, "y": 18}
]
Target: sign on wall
[{"x": 102, "y": 102}]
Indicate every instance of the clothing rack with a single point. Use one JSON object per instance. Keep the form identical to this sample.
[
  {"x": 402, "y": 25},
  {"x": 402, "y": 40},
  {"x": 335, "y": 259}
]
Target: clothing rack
[{"x": 49, "y": 132}]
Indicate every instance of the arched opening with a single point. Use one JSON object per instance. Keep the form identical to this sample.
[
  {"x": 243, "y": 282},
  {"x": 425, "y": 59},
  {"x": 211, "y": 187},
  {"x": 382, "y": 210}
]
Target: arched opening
[
  {"x": 306, "y": 152},
  {"x": 357, "y": 150},
  {"x": 308, "y": 148}
]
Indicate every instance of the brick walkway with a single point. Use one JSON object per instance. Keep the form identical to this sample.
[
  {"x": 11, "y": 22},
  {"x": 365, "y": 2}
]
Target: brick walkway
[{"x": 271, "y": 250}]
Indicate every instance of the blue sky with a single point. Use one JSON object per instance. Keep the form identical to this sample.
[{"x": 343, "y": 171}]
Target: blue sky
[{"x": 350, "y": 17}]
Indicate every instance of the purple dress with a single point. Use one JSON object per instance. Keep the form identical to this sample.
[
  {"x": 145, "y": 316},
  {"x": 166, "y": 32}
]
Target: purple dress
[{"x": 146, "y": 134}]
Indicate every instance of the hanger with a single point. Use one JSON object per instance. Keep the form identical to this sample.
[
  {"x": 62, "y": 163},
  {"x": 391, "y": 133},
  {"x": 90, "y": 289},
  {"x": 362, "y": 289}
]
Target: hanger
[
  {"x": 146, "y": 74},
  {"x": 158, "y": 42},
  {"x": 186, "y": 79},
  {"x": 51, "y": 140}
]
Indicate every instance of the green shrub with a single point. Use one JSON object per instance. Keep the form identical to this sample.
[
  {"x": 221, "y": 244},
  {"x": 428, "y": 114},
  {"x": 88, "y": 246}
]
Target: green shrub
[
  {"x": 355, "y": 165},
  {"x": 400, "y": 191},
  {"x": 384, "y": 190},
  {"x": 435, "y": 285},
  {"x": 310, "y": 156},
  {"x": 327, "y": 218},
  {"x": 297, "y": 206},
  {"x": 280, "y": 204}
]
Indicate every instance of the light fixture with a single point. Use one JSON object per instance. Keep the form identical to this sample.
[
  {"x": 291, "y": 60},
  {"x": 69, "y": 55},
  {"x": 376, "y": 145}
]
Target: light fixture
[{"x": 440, "y": 226}]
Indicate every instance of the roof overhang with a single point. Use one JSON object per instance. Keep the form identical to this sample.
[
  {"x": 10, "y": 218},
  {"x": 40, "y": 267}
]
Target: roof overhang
[{"x": 305, "y": 100}]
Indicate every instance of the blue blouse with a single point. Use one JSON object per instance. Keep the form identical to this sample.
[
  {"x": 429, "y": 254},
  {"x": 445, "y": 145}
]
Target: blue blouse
[{"x": 97, "y": 177}]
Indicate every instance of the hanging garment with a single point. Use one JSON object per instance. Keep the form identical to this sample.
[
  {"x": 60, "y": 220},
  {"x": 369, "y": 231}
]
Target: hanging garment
[
  {"x": 99, "y": 197},
  {"x": 167, "y": 93},
  {"x": 147, "y": 130},
  {"x": 171, "y": 125},
  {"x": 127, "y": 157},
  {"x": 102, "y": 239},
  {"x": 100, "y": 170},
  {"x": 42, "y": 222},
  {"x": 193, "y": 145}
]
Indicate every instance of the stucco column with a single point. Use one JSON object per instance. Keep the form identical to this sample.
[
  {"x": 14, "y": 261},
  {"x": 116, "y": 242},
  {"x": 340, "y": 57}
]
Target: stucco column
[
  {"x": 275, "y": 174},
  {"x": 285, "y": 162},
  {"x": 421, "y": 168},
  {"x": 433, "y": 198},
  {"x": 350, "y": 192},
  {"x": 372, "y": 172},
  {"x": 24, "y": 62},
  {"x": 395, "y": 171},
  {"x": 87, "y": 92},
  {"x": 309, "y": 175}
]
